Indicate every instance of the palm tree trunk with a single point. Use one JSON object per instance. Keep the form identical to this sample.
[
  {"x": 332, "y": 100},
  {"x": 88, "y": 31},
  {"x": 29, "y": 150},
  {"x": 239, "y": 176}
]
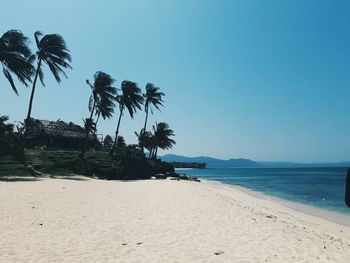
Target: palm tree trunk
[
  {"x": 155, "y": 153},
  {"x": 33, "y": 91},
  {"x": 152, "y": 152},
  {"x": 144, "y": 127},
  {"x": 117, "y": 131},
  {"x": 31, "y": 100},
  {"x": 82, "y": 154},
  {"x": 98, "y": 117}
]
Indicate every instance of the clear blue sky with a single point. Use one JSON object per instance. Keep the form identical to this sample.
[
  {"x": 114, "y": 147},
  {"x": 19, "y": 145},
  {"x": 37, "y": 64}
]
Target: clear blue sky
[{"x": 266, "y": 80}]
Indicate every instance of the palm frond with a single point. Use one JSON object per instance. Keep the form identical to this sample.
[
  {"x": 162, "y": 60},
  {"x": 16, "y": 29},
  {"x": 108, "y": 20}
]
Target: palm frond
[
  {"x": 53, "y": 51},
  {"x": 9, "y": 77},
  {"x": 37, "y": 34},
  {"x": 14, "y": 54},
  {"x": 132, "y": 97},
  {"x": 103, "y": 94}
]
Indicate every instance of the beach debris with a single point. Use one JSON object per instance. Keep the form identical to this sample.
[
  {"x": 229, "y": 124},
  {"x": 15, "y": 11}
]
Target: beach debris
[
  {"x": 160, "y": 176},
  {"x": 219, "y": 253},
  {"x": 254, "y": 219},
  {"x": 40, "y": 224},
  {"x": 271, "y": 216},
  {"x": 33, "y": 207},
  {"x": 124, "y": 244},
  {"x": 175, "y": 176},
  {"x": 139, "y": 243},
  {"x": 187, "y": 177}
]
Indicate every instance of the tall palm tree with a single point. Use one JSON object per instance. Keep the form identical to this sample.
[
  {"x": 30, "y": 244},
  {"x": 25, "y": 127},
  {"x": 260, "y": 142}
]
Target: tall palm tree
[
  {"x": 162, "y": 140},
  {"x": 131, "y": 98},
  {"x": 153, "y": 97},
  {"x": 53, "y": 51},
  {"x": 101, "y": 101},
  {"x": 14, "y": 54}
]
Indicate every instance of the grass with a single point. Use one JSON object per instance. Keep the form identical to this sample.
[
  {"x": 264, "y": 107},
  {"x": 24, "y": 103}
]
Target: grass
[{"x": 129, "y": 164}]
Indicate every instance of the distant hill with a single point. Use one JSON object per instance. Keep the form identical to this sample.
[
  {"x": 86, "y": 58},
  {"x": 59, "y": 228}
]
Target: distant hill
[
  {"x": 212, "y": 162},
  {"x": 245, "y": 163},
  {"x": 292, "y": 165}
]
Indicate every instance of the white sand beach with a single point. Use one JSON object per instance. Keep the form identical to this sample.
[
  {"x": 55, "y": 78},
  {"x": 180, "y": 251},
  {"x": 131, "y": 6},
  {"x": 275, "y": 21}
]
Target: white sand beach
[{"x": 61, "y": 220}]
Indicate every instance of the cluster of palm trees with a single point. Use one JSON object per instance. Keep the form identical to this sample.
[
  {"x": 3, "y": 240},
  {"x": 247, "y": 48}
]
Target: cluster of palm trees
[
  {"x": 17, "y": 59},
  {"x": 103, "y": 99}
]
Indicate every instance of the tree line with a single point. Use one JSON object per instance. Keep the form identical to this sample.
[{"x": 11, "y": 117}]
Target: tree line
[{"x": 17, "y": 59}]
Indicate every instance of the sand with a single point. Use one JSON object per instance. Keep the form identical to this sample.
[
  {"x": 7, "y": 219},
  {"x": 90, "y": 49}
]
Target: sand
[{"x": 61, "y": 220}]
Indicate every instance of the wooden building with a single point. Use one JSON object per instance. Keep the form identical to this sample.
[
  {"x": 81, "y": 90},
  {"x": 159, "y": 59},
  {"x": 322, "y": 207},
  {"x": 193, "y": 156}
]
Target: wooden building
[{"x": 58, "y": 135}]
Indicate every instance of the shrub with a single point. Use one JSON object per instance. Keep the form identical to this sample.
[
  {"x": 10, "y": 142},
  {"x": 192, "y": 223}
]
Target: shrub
[{"x": 129, "y": 163}]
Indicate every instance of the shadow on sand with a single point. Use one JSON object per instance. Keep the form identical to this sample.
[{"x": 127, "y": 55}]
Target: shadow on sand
[
  {"x": 74, "y": 178},
  {"x": 19, "y": 179}
]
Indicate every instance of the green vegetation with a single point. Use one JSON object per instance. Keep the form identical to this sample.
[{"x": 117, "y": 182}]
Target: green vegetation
[
  {"x": 127, "y": 163},
  {"x": 10, "y": 143},
  {"x": 112, "y": 160}
]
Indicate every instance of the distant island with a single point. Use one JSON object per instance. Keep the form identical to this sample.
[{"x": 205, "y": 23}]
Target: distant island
[
  {"x": 189, "y": 165},
  {"x": 211, "y": 162},
  {"x": 245, "y": 163}
]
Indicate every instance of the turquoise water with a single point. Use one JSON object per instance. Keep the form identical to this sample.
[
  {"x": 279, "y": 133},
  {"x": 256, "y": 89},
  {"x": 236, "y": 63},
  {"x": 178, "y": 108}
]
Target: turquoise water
[{"x": 320, "y": 187}]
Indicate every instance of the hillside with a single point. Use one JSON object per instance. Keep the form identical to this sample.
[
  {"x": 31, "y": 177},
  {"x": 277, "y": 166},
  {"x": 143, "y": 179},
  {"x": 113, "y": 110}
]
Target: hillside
[{"x": 211, "y": 162}]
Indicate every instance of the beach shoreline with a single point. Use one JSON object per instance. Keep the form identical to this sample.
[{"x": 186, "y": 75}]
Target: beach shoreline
[
  {"x": 332, "y": 216},
  {"x": 88, "y": 220}
]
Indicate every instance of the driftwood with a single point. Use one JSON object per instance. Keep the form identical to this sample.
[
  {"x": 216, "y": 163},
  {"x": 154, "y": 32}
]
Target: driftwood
[{"x": 347, "y": 189}]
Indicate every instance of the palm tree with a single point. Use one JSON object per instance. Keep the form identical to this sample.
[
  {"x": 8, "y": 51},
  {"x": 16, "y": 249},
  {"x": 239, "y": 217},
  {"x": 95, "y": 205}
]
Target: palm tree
[
  {"x": 121, "y": 142},
  {"x": 146, "y": 140},
  {"x": 14, "y": 54},
  {"x": 53, "y": 51},
  {"x": 105, "y": 108},
  {"x": 101, "y": 102},
  {"x": 162, "y": 140},
  {"x": 107, "y": 143},
  {"x": 131, "y": 99},
  {"x": 152, "y": 98}
]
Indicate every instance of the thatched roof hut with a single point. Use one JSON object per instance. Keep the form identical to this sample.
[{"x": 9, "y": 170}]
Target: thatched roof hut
[{"x": 57, "y": 134}]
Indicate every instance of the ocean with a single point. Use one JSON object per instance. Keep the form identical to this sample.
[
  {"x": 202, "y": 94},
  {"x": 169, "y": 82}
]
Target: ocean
[{"x": 319, "y": 187}]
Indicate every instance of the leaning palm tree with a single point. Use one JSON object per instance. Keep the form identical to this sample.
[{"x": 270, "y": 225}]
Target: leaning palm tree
[
  {"x": 14, "y": 53},
  {"x": 105, "y": 108},
  {"x": 162, "y": 140},
  {"x": 131, "y": 99},
  {"x": 53, "y": 51},
  {"x": 101, "y": 102},
  {"x": 153, "y": 97}
]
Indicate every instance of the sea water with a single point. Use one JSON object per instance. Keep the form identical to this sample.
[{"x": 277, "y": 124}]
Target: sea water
[{"x": 320, "y": 187}]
